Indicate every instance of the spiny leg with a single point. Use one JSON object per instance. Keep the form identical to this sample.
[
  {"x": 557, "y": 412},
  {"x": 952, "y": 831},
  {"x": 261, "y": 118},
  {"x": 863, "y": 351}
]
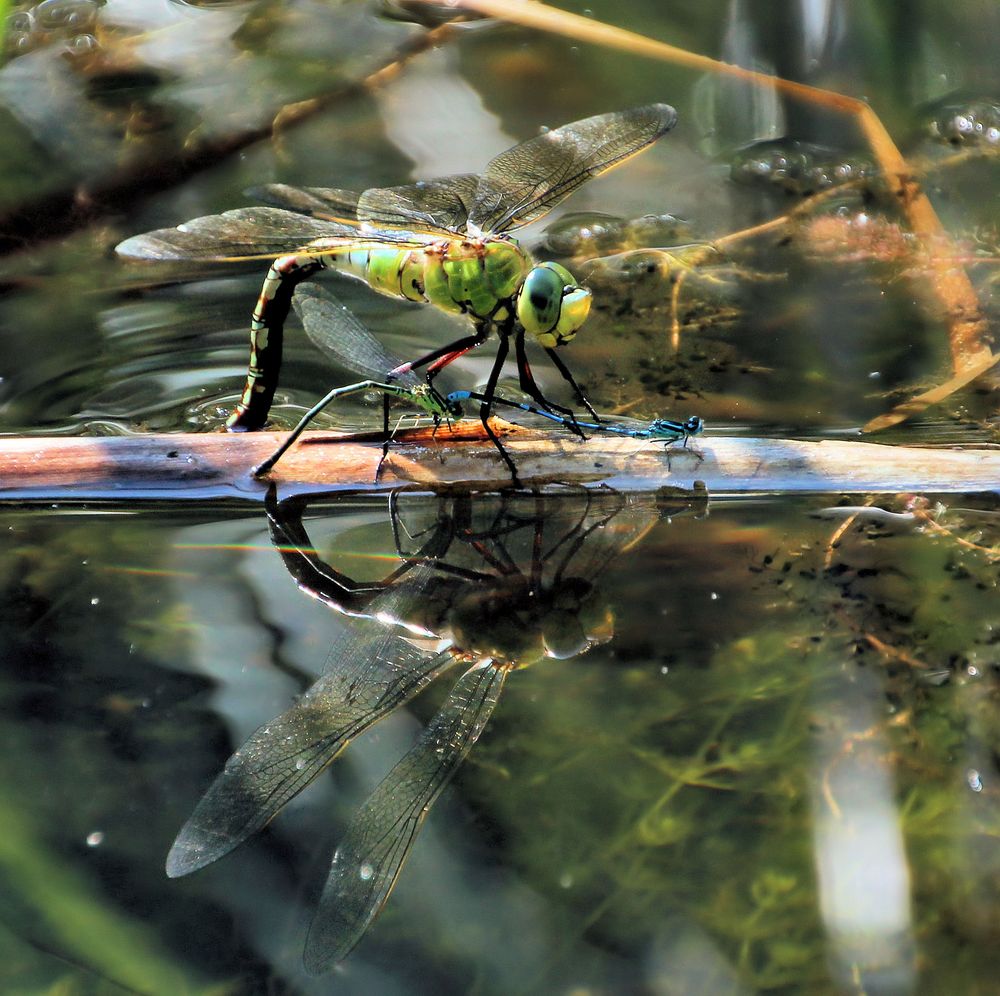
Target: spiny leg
[
  {"x": 436, "y": 360},
  {"x": 390, "y": 434},
  {"x": 528, "y": 384},
  {"x": 487, "y": 404},
  {"x": 568, "y": 377}
]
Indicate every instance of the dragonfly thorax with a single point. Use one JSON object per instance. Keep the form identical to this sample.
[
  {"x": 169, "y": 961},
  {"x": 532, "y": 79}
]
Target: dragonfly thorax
[
  {"x": 517, "y": 623},
  {"x": 471, "y": 276},
  {"x": 551, "y": 305}
]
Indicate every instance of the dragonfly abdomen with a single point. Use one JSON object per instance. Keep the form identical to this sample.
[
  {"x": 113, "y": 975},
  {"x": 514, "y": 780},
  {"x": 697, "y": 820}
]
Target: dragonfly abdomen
[
  {"x": 389, "y": 271},
  {"x": 267, "y": 328}
]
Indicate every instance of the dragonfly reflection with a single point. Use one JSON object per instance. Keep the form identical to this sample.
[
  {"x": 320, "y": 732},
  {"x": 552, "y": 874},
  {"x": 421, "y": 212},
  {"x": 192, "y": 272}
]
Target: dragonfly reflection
[{"x": 494, "y": 583}]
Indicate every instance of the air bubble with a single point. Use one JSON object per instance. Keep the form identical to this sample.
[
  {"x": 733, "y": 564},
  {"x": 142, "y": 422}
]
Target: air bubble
[
  {"x": 81, "y": 45},
  {"x": 77, "y": 14},
  {"x": 21, "y": 23}
]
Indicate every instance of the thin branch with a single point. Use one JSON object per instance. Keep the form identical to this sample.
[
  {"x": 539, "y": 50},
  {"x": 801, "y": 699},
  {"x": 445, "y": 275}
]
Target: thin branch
[{"x": 214, "y": 465}]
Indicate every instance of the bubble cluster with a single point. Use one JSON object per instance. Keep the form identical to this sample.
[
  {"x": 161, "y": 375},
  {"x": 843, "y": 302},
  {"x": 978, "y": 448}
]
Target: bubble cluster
[
  {"x": 592, "y": 233},
  {"x": 64, "y": 22},
  {"x": 797, "y": 167},
  {"x": 976, "y": 123}
]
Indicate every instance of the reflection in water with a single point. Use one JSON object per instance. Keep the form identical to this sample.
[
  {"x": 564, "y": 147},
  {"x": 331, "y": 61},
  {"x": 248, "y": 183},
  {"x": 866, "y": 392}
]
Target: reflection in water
[
  {"x": 864, "y": 837},
  {"x": 691, "y": 812},
  {"x": 721, "y": 799},
  {"x": 492, "y": 584}
]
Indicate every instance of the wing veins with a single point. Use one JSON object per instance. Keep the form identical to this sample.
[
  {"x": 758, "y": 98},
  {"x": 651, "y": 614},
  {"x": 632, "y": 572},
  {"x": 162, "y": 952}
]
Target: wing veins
[{"x": 383, "y": 847}]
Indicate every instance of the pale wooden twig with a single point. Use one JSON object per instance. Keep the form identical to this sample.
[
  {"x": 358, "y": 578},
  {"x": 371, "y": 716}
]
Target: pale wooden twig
[{"x": 218, "y": 465}]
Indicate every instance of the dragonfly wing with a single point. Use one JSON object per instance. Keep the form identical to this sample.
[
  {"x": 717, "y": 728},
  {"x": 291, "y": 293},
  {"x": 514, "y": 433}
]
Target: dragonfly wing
[
  {"x": 320, "y": 202},
  {"x": 527, "y": 181},
  {"x": 243, "y": 233},
  {"x": 284, "y": 755},
  {"x": 379, "y": 838},
  {"x": 440, "y": 205},
  {"x": 340, "y": 334}
]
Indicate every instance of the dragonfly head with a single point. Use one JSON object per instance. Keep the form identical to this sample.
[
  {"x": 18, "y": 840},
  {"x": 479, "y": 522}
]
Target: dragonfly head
[
  {"x": 665, "y": 428},
  {"x": 579, "y": 617},
  {"x": 693, "y": 425},
  {"x": 551, "y": 305}
]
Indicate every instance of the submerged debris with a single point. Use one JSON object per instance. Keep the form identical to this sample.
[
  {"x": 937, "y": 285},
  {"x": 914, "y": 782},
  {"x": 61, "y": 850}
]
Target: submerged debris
[
  {"x": 799, "y": 168},
  {"x": 973, "y": 123}
]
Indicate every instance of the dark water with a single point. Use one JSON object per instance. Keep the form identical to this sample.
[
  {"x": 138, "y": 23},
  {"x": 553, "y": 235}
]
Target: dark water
[
  {"x": 753, "y": 751},
  {"x": 750, "y": 786}
]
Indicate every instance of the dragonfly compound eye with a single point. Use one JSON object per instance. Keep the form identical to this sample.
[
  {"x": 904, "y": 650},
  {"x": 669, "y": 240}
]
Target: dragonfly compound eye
[{"x": 551, "y": 305}]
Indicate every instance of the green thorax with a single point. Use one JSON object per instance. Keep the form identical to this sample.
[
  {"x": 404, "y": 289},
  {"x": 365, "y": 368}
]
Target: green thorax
[{"x": 474, "y": 277}]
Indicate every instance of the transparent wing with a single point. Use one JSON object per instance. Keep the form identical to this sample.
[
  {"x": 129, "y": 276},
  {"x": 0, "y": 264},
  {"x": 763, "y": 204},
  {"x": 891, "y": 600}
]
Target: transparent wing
[
  {"x": 249, "y": 231},
  {"x": 286, "y": 754},
  {"x": 369, "y": 672},
  {"x": 320, "y": 202},
  {"x": 518, "y": 186},
  {"x": 340, "y": 334},
  {"x": 527, "y": 181},
  {"x": 379, "y": 838},
  {"x": 440, "y": 204},
  {"x": 253, "y": 232}
]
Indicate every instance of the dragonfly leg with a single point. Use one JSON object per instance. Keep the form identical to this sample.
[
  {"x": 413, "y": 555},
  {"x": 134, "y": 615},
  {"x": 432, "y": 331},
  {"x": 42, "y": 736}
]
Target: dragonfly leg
[
  {"x": 366, "y": 385},
  {"x": 267, "y": 327},
  {"x": 684, "y": 446},
  {"x": 487, "y": 404},
  {"x": 443, "y": 531},
  {"x": 389, "y": 434},
  {"x": 526, "y": 380},
  {"x": 436, "y": 361},
  {"x": 386, "y": 437},
  {"x": 445, "y": 354},
  {"x": 568, "y": 377}
]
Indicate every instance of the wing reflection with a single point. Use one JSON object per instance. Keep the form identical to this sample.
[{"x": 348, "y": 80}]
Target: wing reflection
[{"x": 493, "y": 582}]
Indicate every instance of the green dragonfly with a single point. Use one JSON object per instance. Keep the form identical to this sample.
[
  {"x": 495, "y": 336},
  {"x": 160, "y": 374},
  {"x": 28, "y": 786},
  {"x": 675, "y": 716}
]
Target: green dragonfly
[
  {"x": 445, "y": 241},
  {"x": 338, "y": 332}
]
